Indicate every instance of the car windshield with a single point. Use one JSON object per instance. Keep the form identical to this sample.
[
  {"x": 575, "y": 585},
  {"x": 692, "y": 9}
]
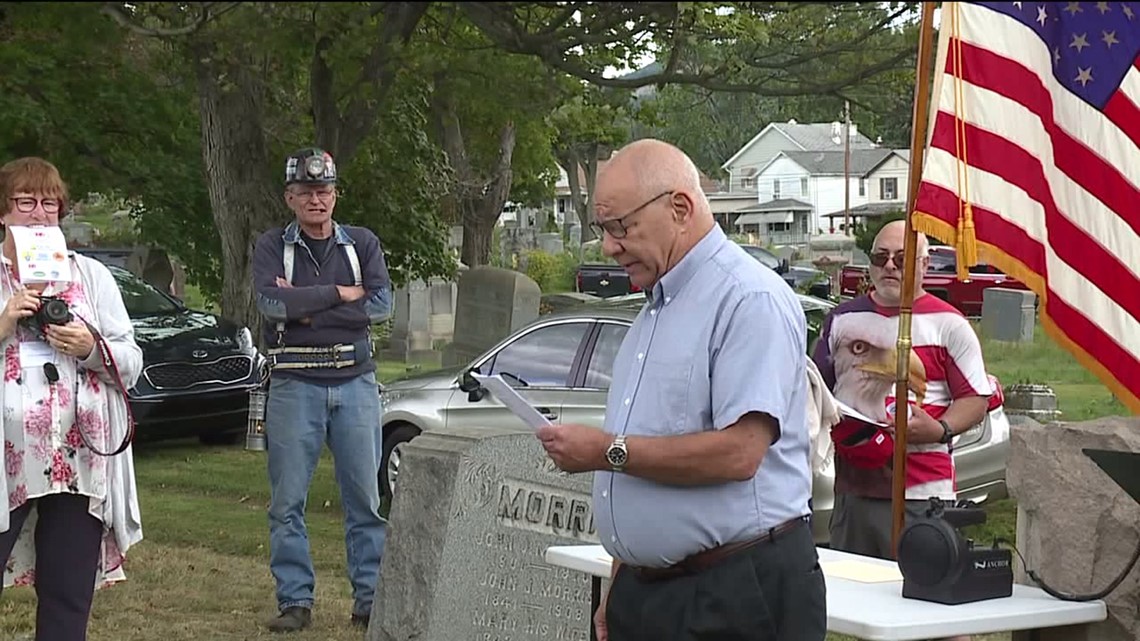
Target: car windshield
[{"x": 139, "y": 296}]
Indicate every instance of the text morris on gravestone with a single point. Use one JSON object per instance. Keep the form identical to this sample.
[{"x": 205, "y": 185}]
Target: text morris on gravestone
[{"x": 475, "y": 510}]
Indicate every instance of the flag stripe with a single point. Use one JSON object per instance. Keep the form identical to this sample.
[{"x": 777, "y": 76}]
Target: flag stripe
[
  {"x": 1086, "y": 165},
  {"x": 1022, "y": 128},
  {"x": 1008, "y": 231},
  {"x": 1021, "y": 168},
  {"x": 1096, "y": 341},
  {"x": 1122, "y": 110},
  {"x": 943, "y": 203},
  {"x": 1026, "y": 51}
]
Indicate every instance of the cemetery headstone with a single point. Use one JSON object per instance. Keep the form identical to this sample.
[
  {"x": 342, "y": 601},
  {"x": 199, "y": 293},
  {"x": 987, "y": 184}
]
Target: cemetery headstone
[
  {"x": 474, "y": 511},
  {"x": 1008, "y": 314},
  {"x": 550, "y": 243},
  {"x": 490, "y": 304}
]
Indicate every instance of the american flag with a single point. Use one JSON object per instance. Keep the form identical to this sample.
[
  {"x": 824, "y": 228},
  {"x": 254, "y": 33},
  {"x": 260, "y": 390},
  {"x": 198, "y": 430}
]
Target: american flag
[{"x": 1035, "y": 124}]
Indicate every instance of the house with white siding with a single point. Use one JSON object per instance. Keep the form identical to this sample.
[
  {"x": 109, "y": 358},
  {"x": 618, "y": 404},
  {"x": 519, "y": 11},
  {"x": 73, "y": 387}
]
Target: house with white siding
[
  {"x": 786, "y": 174},
  {"x": 885, "y": 185}
]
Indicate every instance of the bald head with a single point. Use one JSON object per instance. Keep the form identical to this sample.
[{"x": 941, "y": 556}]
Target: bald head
[
  {"x": 654, "y": 166},
  {"x": 649, "y": 202},
  {"x": 893, "y": 234}
]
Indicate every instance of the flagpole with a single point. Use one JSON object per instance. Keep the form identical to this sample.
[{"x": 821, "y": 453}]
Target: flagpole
[{"x": 910, "y": 247}]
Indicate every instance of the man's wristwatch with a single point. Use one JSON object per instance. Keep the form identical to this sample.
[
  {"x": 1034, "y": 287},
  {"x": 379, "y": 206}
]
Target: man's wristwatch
[
  {"x": 617, "y": 454},
  {"x": 947, "y": 433}
]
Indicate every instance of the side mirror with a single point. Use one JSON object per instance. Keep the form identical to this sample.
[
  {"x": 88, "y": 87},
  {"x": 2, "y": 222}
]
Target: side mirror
[{"x": 475, "y": 391}]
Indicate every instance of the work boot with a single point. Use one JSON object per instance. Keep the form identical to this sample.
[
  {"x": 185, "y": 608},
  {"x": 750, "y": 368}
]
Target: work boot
[
  {"x": 361, "y": 620},
  {"x": 291, "y": 619}
]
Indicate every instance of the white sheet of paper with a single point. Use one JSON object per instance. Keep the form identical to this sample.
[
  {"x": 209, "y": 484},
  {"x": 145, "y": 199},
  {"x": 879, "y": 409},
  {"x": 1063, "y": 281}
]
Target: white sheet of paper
[
  {"x": 509, "y": 397},
  {"x": 847, "y": 410},
  {"x": 41, "y": 254},
  {"x": 35, "y": 353},
  {"x": 861, "y": 571}
]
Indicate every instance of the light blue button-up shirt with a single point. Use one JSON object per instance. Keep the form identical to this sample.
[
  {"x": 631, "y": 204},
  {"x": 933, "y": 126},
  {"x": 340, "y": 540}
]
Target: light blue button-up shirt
[{"x": 720, "y": 336}]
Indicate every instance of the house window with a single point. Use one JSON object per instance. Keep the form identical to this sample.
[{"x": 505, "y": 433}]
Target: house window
[
  {"x": 778, "y": 227},
  {"x": 775, "y": 189},
  {"x": 804, "y": 186},
  {"x": 862, "y": 186},
  {"x": 889, "y": 188},
  {"x": 748, "y": 183}
]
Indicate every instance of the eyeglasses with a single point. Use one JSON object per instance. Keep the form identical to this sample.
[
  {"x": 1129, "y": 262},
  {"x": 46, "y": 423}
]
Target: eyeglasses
[
  {"x": 615, "y": 227},
  {"x": 320, "y": 194},
  {"x": 881, "y": 258},
  {"x": 27, "y": 204}
]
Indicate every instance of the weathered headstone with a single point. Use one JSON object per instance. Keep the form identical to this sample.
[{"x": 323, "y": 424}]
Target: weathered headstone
[
  {"x": 575, "y": 235},
  {"x": 1008, "y": 314},
  {"x": 550, "y": 243},
  {"x": 1034, "y": 400},
  {"x": 473, "y": 515},
  {"x": 411, "y": 330},
  {"x": 1076, "y": 527},
  {"x": 491, "y": 303}
]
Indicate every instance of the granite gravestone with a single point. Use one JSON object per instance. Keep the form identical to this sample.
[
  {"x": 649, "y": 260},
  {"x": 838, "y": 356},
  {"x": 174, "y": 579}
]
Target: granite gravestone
[
  {"x": 490, "y": 304},
  {"x": 1008, "y": 314},
  {"x": 473, "y": 515}
]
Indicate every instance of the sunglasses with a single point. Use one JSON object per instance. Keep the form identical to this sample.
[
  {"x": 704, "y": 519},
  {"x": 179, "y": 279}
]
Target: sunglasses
[{"x": 881, "y": 258}]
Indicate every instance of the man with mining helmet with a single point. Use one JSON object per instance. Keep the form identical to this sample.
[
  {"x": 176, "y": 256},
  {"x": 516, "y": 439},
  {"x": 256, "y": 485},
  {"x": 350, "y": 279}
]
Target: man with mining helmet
[{"x": 320, "y": 286}]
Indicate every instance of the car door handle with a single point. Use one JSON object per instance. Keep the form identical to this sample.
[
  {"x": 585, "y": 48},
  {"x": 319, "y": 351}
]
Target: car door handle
[{"x": 546, "y": 413}]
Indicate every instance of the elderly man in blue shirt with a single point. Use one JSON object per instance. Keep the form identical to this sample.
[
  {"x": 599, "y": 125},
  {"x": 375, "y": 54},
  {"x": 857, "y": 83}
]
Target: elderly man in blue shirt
[{"x": 702, "y": 474}]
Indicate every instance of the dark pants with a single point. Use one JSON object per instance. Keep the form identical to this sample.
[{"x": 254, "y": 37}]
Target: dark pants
[
  {"x": 771, "y": 591},
  {"x": 67, "y": 540},
  {"x": 862, "y": 525}
]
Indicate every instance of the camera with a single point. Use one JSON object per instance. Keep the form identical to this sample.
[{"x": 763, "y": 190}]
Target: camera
[{"x": 53, "y": 311}]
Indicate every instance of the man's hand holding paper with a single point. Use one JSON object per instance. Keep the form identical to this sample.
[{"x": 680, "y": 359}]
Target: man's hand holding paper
[{"x": 575, "y": 448}]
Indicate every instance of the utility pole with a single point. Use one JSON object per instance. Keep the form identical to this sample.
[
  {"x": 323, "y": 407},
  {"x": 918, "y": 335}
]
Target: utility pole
[{"x": 846, "y": 168}]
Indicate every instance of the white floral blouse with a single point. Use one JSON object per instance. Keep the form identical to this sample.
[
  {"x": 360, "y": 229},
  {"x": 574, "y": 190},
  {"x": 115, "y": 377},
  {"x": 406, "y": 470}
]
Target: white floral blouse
[{"x": 45, "y": 427}]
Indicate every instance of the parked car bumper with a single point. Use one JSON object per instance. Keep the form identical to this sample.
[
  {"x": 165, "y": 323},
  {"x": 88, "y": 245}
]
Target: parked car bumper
[{"x": 185, "y": 414}]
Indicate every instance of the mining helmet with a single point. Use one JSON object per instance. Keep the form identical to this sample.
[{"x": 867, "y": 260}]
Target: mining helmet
[{"x": 312, "y": 166}]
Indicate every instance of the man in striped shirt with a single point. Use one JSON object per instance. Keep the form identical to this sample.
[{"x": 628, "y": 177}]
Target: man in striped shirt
[{"x": 948, "y": 390}]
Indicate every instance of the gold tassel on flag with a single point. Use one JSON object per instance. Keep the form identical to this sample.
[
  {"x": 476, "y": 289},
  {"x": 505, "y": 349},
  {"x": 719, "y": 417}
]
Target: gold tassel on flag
[{"x": 967, "y": 244}]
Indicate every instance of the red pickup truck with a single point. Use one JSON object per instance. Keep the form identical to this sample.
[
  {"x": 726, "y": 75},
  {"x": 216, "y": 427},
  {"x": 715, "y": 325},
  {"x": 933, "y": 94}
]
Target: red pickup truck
[{"x": 941, "y": 280}]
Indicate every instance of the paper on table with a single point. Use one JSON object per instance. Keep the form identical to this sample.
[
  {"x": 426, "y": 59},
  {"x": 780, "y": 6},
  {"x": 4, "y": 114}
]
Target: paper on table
[
  {"x": 509, "y": 397},
  {"x": 847, "y": 410},
  {"x": 41, "y": 254},
  {"x": 861, "y": 571}
]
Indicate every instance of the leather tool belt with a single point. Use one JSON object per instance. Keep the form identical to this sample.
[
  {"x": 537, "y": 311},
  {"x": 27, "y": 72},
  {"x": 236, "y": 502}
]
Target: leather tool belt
[
  {"x": 332, "y": 356},
  {"x": 703, "y": 560}
]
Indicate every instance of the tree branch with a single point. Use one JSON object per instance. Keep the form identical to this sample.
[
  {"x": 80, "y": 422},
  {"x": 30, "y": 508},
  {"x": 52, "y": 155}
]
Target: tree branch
[{"x": 116, "y": 11}]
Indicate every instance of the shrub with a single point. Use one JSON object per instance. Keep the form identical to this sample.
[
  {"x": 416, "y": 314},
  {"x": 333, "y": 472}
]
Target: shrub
[{"x": 552, "y": 272}]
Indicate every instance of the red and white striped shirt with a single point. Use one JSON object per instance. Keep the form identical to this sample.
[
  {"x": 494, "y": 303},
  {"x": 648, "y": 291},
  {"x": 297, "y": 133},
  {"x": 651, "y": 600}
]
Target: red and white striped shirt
[{"x": 856, "y": 355}]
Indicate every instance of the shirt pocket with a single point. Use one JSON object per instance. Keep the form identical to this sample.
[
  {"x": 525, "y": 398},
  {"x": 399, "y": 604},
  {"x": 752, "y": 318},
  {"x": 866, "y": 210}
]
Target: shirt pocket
[{"x": 663, "y": 397}]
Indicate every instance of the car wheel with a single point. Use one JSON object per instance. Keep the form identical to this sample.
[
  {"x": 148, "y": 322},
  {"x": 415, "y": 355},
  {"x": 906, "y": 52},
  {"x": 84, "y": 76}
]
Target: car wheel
[{"x": 390, "y": 462}]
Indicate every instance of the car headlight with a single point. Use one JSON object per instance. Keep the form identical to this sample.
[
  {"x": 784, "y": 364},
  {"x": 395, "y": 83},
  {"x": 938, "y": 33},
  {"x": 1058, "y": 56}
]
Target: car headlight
[{"x": 245, "y": 341}]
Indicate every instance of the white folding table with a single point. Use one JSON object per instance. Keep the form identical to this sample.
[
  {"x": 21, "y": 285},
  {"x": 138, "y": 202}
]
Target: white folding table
[{"x": 864, "y": 603}]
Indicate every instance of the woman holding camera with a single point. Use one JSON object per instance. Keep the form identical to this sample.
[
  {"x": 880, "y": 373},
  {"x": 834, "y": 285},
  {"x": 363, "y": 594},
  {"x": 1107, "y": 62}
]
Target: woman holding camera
[{"x": 69, "y": 351}]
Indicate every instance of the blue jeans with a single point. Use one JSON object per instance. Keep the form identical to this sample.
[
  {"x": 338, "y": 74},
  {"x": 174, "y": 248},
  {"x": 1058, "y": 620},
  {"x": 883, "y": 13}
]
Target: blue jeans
[{"x": 300, "y": 418}]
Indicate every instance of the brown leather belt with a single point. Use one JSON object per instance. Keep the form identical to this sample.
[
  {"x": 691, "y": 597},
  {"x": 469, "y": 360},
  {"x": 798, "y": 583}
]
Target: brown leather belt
[{"x": 705, "y": 559}]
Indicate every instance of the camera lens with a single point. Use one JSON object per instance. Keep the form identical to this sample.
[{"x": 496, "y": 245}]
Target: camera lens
[{"x": 55, "y": 312}]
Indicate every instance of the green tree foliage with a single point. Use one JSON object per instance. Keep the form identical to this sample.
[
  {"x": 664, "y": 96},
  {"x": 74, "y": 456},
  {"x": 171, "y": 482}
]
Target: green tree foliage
[{"x": 103, "y": 106}]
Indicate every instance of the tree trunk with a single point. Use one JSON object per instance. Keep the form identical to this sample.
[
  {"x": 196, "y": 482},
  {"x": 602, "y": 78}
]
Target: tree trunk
[
  {"x": 479, "y": 192},
  {"x": 242, "y": 196},
  {"x": 477, "y": 235}
]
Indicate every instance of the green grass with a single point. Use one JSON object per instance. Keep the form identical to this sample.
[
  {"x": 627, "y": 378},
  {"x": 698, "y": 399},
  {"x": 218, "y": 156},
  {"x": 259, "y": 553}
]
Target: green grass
[{"x": 1080, "y": 395}]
